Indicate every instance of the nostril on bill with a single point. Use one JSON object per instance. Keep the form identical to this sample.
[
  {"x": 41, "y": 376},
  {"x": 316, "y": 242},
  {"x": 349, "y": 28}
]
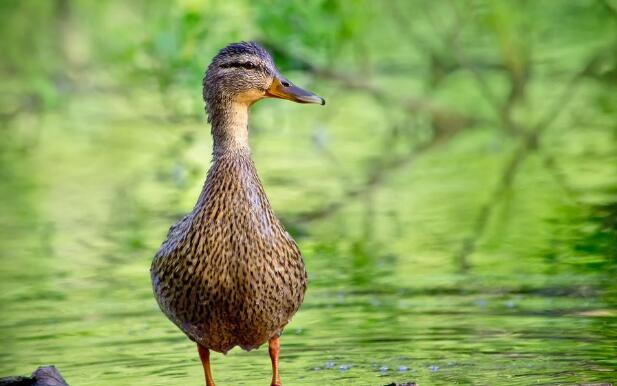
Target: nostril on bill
[{"x": 285, "y": 83}]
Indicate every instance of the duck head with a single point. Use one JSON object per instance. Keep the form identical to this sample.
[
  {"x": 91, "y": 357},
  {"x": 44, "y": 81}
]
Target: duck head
[{"x": 242, "y": 74}]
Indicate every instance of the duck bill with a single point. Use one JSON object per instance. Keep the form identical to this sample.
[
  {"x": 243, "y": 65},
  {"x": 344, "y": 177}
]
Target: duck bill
[{"x": 281, "y": 88}]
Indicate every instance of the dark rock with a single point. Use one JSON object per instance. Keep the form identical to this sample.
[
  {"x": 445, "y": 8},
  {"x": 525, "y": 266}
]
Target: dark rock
[
  {"x": 43, "y": 376},
  {"x": 16, "y": 381},
  {"x": 401, "y": 384}
]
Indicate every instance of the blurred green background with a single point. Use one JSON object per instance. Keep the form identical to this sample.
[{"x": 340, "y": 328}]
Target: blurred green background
[{"x": 455, "y": 200}]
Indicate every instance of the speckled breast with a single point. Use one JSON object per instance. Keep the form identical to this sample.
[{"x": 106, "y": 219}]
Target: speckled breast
[{"x": 228, "y": 273}]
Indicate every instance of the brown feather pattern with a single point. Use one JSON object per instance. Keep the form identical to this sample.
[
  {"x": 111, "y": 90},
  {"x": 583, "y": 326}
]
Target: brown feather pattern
[{"x": 229, "y": 274}]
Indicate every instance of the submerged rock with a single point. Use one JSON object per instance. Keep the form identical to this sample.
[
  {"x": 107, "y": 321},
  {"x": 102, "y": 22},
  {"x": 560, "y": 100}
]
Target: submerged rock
[
  {"x": 43, "y": 376},
  {"x": 401, "y": 384}
]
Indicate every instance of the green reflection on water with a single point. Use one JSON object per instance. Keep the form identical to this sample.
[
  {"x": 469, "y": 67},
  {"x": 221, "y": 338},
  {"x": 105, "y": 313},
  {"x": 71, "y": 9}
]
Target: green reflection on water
[{"x": 84, "y": 210}]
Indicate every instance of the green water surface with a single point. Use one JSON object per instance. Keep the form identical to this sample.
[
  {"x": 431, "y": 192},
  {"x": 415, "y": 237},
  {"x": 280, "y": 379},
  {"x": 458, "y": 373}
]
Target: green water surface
[{"x": 88, "y": 193}]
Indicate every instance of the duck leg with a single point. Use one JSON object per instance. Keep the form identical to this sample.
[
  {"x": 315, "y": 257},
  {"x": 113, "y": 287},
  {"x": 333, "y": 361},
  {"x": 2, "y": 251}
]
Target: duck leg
[
  {"x": 204, "y": 355},
  {"x": 274, "y": 346}
]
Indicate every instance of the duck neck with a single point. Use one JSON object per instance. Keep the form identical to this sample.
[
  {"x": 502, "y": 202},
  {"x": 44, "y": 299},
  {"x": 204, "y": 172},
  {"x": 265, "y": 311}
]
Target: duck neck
[{"x": 230, "y": 132}]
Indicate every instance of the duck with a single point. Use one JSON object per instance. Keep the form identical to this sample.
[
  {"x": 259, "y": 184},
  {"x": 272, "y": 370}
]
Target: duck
[{"x": 229, "y": 274}]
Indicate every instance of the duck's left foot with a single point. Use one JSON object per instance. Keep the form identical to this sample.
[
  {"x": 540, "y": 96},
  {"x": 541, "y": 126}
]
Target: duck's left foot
[{"x": 274, "y": 347}]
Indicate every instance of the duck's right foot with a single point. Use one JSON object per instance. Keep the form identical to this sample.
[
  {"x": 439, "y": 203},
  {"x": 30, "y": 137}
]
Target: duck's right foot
[{"x": 204, "y": 355}]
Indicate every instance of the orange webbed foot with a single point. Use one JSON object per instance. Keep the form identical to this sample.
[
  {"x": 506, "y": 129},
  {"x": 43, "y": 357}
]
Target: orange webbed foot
[
  {"x": 274, "y": 346},
  {"x": 204, "y": 355}
]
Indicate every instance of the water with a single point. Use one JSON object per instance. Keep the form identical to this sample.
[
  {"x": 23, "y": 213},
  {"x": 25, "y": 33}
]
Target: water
[{"x": 87, "y": 197}]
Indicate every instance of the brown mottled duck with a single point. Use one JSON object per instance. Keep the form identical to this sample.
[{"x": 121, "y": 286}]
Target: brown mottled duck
[{"x": 228, "y": 273}]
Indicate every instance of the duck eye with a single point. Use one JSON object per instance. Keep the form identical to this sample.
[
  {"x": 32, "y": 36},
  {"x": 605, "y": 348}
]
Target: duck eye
[{"x": 247, "y": 65}]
